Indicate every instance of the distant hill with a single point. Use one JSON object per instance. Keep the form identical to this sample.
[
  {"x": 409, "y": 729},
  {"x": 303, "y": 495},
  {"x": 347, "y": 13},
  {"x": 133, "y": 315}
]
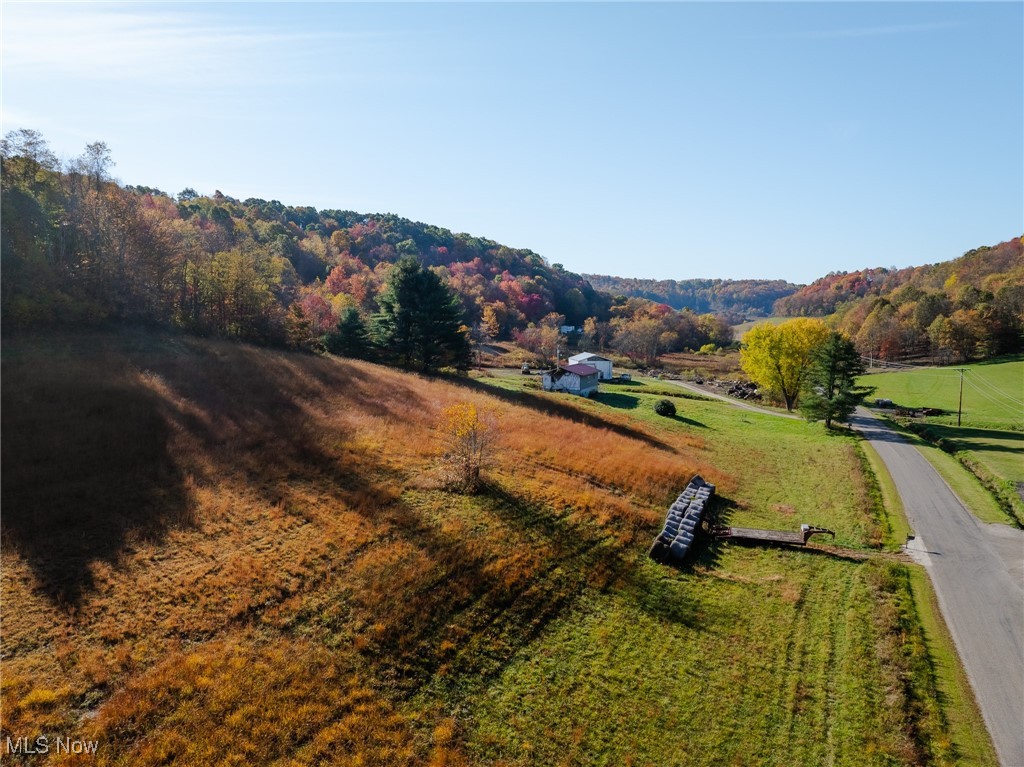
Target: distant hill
[
  {"x": 969, "y": 307},
  {"x": 737, "y": 297},
  {"x": 983, "y": 268}
]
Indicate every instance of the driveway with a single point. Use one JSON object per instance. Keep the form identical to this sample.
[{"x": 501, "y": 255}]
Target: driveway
[
  {"x": 977, "y": 571},
  {"x": 734, "y": 401}
]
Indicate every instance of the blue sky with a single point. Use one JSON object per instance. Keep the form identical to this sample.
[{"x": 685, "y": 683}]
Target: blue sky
[{"x": 666, "y": 140}]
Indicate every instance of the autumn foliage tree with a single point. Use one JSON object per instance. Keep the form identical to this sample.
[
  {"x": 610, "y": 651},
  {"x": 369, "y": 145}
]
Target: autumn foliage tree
[
  {"x": 777, "y": 357},
  {"x": 467, "y": 434}
]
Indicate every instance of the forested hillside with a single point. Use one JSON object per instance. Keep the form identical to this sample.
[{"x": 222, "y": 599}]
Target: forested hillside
[
  {"x": 734, "y": 297},
  {"x": 970, "y": 307},
  {"x": 80, "y": 247}
]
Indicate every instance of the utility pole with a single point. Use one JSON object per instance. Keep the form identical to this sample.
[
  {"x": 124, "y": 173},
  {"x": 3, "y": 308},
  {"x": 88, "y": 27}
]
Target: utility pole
[{"x": 960, "y": 404}]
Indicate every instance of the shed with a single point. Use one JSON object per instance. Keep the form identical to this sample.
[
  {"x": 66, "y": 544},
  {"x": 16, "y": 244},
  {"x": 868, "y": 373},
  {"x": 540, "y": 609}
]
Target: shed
[
  {"x": 575, "y": 379},
  {"x": 603, "y": 364}
]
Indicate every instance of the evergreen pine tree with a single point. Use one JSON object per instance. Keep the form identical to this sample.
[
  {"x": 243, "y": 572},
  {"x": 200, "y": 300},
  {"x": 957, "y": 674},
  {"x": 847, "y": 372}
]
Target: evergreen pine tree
[
  {"x": 830, "y": 390},
  {"x": 350, "y": 337},
  {"x": 420, "y": 321}
]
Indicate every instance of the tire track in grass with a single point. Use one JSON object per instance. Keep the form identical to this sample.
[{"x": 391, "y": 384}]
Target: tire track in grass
[{"x": 794, "y": 669}]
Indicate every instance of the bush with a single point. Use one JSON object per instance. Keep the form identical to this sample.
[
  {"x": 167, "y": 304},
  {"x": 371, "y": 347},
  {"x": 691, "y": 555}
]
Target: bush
[{"x": 665, "y": 407}]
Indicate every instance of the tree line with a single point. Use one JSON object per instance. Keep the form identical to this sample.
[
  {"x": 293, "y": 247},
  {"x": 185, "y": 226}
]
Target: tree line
[
  {"x": 806, "y": 365},
  {"x": 78, "y": 247},
  {"x": 967, "y": 308},
  {"x": 736, "y": 298}
]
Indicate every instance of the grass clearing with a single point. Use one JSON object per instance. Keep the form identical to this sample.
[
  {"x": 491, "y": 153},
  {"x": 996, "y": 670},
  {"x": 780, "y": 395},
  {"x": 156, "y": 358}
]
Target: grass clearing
[
  {"x": 993, "y": 395},
  {"x": 989, "y": 443},
  {"x": 210, "y": 543},
  {"x": 781, "y": 663},
  {"x": 741, "y": 330}
]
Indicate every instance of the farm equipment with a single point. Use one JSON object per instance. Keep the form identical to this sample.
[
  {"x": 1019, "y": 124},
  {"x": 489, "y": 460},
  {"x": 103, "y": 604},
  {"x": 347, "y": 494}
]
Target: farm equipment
[{"x": 753, "y": 535}]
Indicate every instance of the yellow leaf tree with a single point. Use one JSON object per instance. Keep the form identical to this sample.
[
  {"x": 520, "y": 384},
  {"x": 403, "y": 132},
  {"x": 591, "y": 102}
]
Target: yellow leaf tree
[
  {"x": 467, "y": 434},
  {"x": 777, "y": 357}
]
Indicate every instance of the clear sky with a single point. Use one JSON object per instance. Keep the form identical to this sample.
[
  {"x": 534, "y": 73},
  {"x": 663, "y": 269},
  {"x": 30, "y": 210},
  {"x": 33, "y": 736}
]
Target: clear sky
[{"x": 667, "y": 140}]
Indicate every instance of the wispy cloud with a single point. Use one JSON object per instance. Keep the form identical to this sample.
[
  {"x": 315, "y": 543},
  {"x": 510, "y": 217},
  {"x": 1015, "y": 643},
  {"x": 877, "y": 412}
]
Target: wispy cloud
[{"x": 134, "y": 45}]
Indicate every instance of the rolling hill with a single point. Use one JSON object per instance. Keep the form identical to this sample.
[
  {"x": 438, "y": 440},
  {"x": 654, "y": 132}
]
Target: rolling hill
[
  {"x": 738, "y": 298},
  {"x": 215, "y": 550}
]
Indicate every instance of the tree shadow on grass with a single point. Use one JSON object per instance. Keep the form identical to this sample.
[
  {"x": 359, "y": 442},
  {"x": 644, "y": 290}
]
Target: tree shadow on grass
[
  {"x": 90, "y": 423},
  {"x": 617, "y": 400},
  {"x": 86, "y": 472},
  {"x": 688, "y": 421},
  {"x": 978, "y": 440}
]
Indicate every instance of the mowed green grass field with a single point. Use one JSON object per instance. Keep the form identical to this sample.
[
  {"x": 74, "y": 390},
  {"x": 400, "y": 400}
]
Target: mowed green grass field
[
  {"x": 993, "y": 392},
  {"x": 992, "y": 423},
  {"x": 226, "y": 554}
]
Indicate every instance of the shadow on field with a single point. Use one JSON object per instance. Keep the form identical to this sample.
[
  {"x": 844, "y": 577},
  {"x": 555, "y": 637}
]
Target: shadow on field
[
  {"x": 617, "y": 400},
  {"x": 590, "y": 557},
  {"x": 86, "y": 470},
  {"x": 688, "y": 421},
  {"x": 105, "y": 436},
  {"x": 559, "y": 410},
  {"x": 978, "y": 440}
]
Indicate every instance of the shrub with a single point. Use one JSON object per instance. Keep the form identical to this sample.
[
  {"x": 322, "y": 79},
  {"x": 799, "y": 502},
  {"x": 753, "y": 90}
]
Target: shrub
[
  {"x": 467, "y": 434},
  {"x": 665, "y": 407}
]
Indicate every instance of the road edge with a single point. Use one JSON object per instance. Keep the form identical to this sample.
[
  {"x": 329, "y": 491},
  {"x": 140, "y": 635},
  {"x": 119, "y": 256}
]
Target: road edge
[{"x": 959, "y": 704}]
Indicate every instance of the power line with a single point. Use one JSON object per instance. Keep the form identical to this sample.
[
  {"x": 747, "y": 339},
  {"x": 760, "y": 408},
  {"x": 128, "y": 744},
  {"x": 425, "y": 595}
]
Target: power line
[
  {"x": 999, "y": 392},
  {"x": 986, "y": 395}
]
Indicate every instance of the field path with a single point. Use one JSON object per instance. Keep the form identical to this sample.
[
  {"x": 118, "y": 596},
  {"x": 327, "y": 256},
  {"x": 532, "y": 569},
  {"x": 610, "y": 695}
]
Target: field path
[
  {"x": 734, "y": 401},
  {"x": 977, "y": 573}
]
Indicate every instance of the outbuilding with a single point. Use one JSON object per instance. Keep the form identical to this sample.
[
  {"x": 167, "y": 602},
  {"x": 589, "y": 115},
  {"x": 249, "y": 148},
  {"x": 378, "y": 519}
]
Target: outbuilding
[
  {"x": 575, "y": 379},
  {"x": 603, "y": 364}
]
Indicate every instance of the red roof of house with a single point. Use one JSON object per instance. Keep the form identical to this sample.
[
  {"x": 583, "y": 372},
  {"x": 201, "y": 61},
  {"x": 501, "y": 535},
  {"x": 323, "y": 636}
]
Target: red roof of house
[{"x": 580, "y": 370}]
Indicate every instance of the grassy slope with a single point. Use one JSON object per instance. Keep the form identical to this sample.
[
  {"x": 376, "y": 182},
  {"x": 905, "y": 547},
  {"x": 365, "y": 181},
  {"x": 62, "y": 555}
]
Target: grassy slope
[
  {"x": 216, "y": 549},
  {"x": 741, "y": 330}
]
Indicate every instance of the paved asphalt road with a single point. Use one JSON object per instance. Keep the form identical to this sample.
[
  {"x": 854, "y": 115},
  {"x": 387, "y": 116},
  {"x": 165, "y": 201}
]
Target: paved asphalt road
[{"x": 978, "y": 573}]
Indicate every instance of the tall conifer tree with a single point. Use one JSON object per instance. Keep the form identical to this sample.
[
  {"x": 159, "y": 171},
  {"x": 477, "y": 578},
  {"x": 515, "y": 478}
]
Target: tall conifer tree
[
  {"x": 420, "y": 321},
  {"x": 830, "y": 391}
]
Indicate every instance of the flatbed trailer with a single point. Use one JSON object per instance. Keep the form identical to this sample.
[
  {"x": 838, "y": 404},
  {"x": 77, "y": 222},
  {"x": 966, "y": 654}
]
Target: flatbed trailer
[{"x": 753, "y": 535}]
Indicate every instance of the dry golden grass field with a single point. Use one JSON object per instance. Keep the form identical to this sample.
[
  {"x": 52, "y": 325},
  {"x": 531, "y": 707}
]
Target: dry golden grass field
[{"x": 218, "y": 554}]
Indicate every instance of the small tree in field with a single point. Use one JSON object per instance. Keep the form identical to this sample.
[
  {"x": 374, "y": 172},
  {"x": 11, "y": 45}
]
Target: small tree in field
[{"x": 468, "y": 437}]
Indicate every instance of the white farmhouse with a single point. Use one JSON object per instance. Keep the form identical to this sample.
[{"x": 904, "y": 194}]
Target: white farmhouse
[
  {"x": 575, "y": 379},
  {"x": 603, "y": 364}
]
